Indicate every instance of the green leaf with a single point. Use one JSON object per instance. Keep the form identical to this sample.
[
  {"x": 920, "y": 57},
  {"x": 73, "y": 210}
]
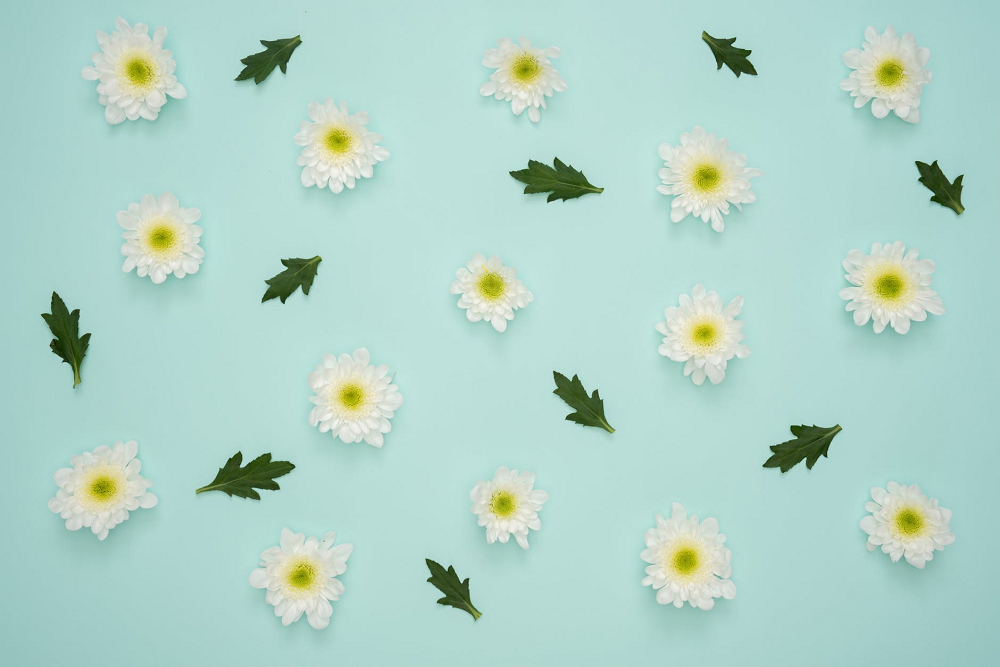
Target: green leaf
[
  {"x": 589, "y": 409},
  {"x": 564, "y": 182},
  {"x": 456, "y": 591},
  {"x": 67, "y": 344},
  {"x": 242, "y": 482},
  {"x": 946, "y": 193},
  {"x": 276, "y": 53},
  {"x": 810, "y": 443},
  {"x": 299, "y": 273},
  {"x": 730, "y": 56}
]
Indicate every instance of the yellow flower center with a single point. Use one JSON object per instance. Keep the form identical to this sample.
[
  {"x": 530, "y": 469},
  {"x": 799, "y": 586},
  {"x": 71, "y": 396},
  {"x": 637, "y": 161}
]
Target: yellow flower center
[
  {"x": 909, "y": 522},
  {"x": 351, "y": 396},
  {"x": 491, "y": 285},
  {"x": 890, "y": 74},
  {"x": 161, "y": 237},
  {"x": 339, "y": 140},
  {"x": 707, "y": 177},
  {"x": 102, "y": 488},
  {"x": 301, "y": 575},
  {"x": 525, "y": 68},
  {"x": 704, "y": 335},
  {"x": 890, "y": 286},
  {"x": 503, "y": 504},
  {"x": 140, "y": 73},
  {"x": 685, "y": 561}
]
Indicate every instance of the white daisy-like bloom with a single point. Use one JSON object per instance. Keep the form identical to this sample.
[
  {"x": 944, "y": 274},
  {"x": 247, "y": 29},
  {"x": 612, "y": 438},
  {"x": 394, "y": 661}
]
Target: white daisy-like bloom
[
  {"x": 337, "y": 148},
  {"x": 906, "y": 523},
  {"x": 101, "y": 488},
  {"x": 508, "y": 505},
  {"x": 490, "y": 291},
  {"x": 890, "y": 286},
  {"x": 354, "y": 399},
  {"x": 135, "y": 73},
  {"x": 524, "y": 75},
  {"x": 300, "y": 576},
  {"x": 889, "y": 71},
  {"x": 161, "y": 238},
  {"x": 688, "y": 560},
  {"x": 703, "y": 334},
  {"x": 705, "y": 177}
]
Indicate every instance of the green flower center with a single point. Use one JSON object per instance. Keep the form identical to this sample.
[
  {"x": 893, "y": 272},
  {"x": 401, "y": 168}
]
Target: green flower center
[
  {"x": 685, "y": 560},
  {"x": 707, "y": 177},
  {"x": 704, "y": 334},
  {"x": 890, "y": 73},
  {"x": 491, "y": 285},
  {"x": 302, "y": 575},
  {"x": 161, "y": 237},
  {"x": 890, "y": 286},
  {"x": 140, "y": 71},
  {"x": 351, "y": 396},
  {"x": 503, "y": 504},
  {"x": 909, "y": 522},
  {"x": 339, "y": 140},
  {"x": 525, "y": 68},
  {"x": 103, "y": 488}
]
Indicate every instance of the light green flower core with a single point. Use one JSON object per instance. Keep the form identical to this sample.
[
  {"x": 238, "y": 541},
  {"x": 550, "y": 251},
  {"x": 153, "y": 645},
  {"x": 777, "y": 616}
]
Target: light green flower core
[
  {"x": 161, "y": 237},
  {"x": 503, "y": 504},
  {"x": 704, "y": 334},
  {"x": 525, "y": 68},
  {"x": 890, "y": 73},
  {"x": 909, "y": 522},
  {"x": 707, "y": 177},
  {"x": 491, "y": 285},
  {"x": 685, "y": 561},
  {"x": 339, "y": 140},
  {"x": 301, "y": 575},
  {"x": 140, "y": 71},
  {"x": 103, "y": 488},
  {"x": 351, "y": 396}
]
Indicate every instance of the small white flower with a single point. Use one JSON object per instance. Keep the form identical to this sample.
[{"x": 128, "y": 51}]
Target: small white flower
[
  {"x": 907, "y": 523},
  {"x": 101, "y": 488},
  {"x": 161, "y": 238},
  {"x": 524, "y": 76},
  {"x": 508, "y": 505},
  {"x": 704, "y": 178},
  {"x": 354, "y": 400},
  {"x": 688, "y": 562},
  {"x": 136, "y": 73},
  {"x": 300, "y": 576},
  {"x": 490, "y": 291},
  {"x": 337, "y": 149},
  {"x": 890, "y": 287},
  {"x": 890, "y": 71},
  {"x": 703, "y": 334}
]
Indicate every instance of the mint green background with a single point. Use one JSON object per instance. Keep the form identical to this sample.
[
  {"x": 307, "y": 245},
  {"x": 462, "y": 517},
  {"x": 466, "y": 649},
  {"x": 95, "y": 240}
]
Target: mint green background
[{"x": 196, "y": 369}]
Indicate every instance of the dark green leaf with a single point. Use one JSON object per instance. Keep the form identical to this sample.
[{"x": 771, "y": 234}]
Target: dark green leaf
[
  {"x": 67, "y": 344},
  {"x": 589, "y": 409},
  {"x": 276, "y": 53},
  {"x": 299, "y": 273},
  {"x": 456, "y": 591},
  {"x": 730, "y": 56},
  {"x": 945, "y": 192},
  {"x": 810, "y": 443},
  {"x": 242, "y": 482},
  {"x": 564, "y": 182}
]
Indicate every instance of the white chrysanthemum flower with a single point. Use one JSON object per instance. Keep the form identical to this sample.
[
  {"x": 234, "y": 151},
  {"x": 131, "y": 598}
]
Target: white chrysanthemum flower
[
  {"x": 704, "y": 178},
  {"x": 906, "y": 523},
  {"x": 524, "y": 76},
  {"x": 354, "y": 400},
  {"x": 688, "y": 562},
  {"x": 135, "y": 72},
  {"x": 300, "y": 576},
  {"x": 337, "y": 147},
  {"x": 101, "y": 488},
  {"x": 490, "y": 291},
  {"x": 508, "y": 505},
  {"x": 890, "y": 72},
  {"x": 703, "y": 334},
  {"x": 161, "y": 238},
  {"x": 890, "y": 287}
]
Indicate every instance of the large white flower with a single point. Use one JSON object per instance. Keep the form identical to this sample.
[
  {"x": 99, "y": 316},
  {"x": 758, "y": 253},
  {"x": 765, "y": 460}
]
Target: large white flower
[
  {"x": 508, "y": 505},
  {"x": 490, "y": 291},
  {"x": 890, "y": 71},
  {"x": 906, "y": 523},
  {"x": 300, "y": 576},
  {"x": 703, "y": 334},
  {"x": 161, "y": 238},
  {"x": 354, "y": 399},
  {"x": 688, "y": 562},
  {"x": 704, "y": 177},
  {"x": 101, "y": 488},
  {"x": 524, "y": 75},
  {"x": 890, "y": 287},
  {"x": 337, "y": 148},
  {"x": 135, "y": 72}
]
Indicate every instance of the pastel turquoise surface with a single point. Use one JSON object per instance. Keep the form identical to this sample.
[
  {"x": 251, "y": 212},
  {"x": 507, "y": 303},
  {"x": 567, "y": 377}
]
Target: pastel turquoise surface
[{"x": 196, "y": 369}]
